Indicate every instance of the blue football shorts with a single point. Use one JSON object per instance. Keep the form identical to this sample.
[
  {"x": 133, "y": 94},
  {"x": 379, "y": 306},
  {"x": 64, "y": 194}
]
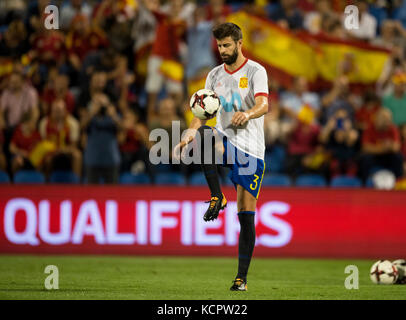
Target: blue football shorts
[{"x": 245, "y": 169}]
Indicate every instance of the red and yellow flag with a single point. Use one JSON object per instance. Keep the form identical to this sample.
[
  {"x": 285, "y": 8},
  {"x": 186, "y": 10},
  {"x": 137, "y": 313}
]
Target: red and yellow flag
[{"x": 303, "y": 54}]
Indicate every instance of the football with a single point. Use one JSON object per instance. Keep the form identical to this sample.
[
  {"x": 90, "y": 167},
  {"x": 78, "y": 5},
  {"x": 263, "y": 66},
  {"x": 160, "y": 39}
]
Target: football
[
  {"x": 204, "y": 104},
  {"x": 384, "y": 272},
  {"x": 400, "y": 264}
]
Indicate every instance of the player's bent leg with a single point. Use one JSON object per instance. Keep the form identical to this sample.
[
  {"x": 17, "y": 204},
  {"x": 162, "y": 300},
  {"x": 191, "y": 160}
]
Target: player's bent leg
[
  {"x": 208, "y": 154},
  {"x": 246, "y": 204}
]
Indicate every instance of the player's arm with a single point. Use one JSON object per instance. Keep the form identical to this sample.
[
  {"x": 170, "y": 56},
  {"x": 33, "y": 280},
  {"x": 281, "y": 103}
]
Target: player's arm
[
  {"x": 260, "y": 108},
  {"x": 191, "y": 132},
  {"x": 260, "y": 89},
  {"x": 194, "y": 125}
]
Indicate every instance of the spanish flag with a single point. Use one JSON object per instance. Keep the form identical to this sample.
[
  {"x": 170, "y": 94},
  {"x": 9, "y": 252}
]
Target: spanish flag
[
  {"x": 172, "y": 69},
  {"x": 287, "y": 54}
]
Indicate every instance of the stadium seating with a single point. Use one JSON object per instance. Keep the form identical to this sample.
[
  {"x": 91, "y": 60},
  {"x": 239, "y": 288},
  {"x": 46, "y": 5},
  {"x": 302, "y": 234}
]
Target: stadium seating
[
  {"x": 64, "y": 177},
  {"x": 369, "y": 183},
  {"x": 170, "y": 178},
  {"x": 4, "y": 178},
  {"x": 375, "y": 170},
  {"x": 310, "y": 180},
  {"x": 29, "y": 176},
  {"x": 275, "y": 159},
  {"x": 197, "y": 179},
  {"x": 163, "y": 168},
  {"x": 129, "y": 178},
  {"x": 345, "y": 182},
  {"x": 276, "y": 180}
]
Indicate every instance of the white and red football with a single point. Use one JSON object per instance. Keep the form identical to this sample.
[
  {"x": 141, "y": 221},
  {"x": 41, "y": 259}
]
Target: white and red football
[
  {"x": 384, "y": 272},
  {"x": 204, "y": 104}
]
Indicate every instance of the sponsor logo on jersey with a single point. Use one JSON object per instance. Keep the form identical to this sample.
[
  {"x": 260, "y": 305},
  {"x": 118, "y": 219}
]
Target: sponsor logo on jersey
[{"x": 231, "y": 105}]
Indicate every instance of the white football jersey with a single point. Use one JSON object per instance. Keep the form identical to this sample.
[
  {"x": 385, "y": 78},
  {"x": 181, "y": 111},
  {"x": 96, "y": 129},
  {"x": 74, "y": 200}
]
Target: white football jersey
[{"x": 237, "y": 91}]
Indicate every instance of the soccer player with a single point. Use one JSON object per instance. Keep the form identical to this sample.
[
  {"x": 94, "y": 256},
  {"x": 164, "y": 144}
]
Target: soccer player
[{"x": 242, "y": 87}]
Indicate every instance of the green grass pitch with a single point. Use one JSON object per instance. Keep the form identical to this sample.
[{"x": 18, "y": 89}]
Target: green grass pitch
[{"x": 184, "y": 278}]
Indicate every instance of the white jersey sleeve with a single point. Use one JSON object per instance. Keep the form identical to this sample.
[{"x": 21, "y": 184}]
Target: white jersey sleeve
[
  {"x": 210, "y": 80},
  {"x": 260, "y": 82},
  {"x": 208, "y": 84}
]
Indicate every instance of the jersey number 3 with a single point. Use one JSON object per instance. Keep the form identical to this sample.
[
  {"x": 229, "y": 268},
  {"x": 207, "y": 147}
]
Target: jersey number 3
[{"x": 255, "y": 181}]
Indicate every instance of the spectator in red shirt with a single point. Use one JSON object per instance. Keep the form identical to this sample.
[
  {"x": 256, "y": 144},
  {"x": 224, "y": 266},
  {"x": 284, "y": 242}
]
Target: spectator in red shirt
[
  {"x": 217, "y": 10},
  {"x": 143, "y": 34},
  {"x": 134, "y": 143},
  {"x": 48, "y": 46},
  {"x": 23, "y": 141},
  {"x": 63, "y": 131},
  {"x": 306, "y": 5},
  {"x": 59, "y": 89},
  {"x": 365, "y": 116},
  {"x": 303, "y": 141},
  {"x": 170, "y": 30},
  {"x": 381, "y": 146},
  {"x": 83, "y": 39}
]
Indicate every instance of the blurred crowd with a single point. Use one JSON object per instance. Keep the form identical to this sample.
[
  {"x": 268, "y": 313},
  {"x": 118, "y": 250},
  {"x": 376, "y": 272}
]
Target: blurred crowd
[{"x": 84, "y": 97}]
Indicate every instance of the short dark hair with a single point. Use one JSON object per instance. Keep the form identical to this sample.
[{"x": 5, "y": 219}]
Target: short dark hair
[{"x": 227, "y": 29}]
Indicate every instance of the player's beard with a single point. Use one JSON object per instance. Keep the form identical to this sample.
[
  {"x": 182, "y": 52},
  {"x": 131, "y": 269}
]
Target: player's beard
[{"x": 230, "y": 59}]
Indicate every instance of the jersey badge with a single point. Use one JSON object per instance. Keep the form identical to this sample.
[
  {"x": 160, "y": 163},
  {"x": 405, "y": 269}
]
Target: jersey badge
[{"x": 243, "y": 83}]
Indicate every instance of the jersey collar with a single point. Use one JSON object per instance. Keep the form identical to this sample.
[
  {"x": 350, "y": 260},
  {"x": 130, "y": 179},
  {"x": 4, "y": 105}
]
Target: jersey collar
[{"x": 232, "y": 72}]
